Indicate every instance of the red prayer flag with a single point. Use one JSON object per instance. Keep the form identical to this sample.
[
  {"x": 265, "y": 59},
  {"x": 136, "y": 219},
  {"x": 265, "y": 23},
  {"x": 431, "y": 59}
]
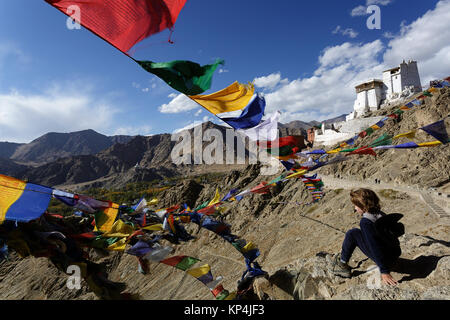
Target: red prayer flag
[
  {"x": 123, "y": 23},
  {"x": 297, "y": 141},
  {"x": 363, "y": 150},
  {"x": 261, "y": 188},
  {"x": 173, "y": 261}
]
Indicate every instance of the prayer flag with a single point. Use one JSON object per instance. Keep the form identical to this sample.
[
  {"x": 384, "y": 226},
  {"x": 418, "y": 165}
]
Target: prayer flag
[
  {"x": 21, "y": 201},
  {"x": 250, "y": 116},
  {"x": 122, "y": 23},
  {"x": 267, "y": 130},
  {"x": 438, "y": 130},
  {"x": 184, "y": 76},
  {"x": 181, "y": 262},
  {"x": 235, "y": 97}
]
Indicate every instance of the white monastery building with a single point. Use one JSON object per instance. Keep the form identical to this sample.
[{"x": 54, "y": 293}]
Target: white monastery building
[
  {"x": 402, "y": 80},
  {"x": 397, "y": 83}
]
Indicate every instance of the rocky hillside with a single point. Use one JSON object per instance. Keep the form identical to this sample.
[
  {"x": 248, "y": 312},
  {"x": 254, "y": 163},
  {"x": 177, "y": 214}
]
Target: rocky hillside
[
  {"x": 429, "y": 167},
  {"x": 11, "y": 168},
  {"x": 7, "y": 149},
  {"x": 297, "y": 240}
]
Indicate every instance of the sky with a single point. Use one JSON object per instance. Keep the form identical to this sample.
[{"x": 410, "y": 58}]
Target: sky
[{"x": 305, "y": 57}]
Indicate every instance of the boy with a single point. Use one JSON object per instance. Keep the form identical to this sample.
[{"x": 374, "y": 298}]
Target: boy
[{"x": 382, "y": 251}]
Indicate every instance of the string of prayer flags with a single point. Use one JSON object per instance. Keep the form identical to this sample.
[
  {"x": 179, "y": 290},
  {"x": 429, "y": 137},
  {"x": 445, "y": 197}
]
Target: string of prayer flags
[
  {"x": 184, "y": 76},
  {"x": 314, "y": 185}
]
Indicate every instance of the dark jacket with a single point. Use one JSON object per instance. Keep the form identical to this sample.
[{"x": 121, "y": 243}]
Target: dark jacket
[{"x": 382, "y": 240}]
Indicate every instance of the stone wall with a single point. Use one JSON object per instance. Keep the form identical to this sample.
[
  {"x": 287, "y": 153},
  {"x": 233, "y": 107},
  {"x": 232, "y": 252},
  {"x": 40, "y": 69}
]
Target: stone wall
[{"x": 356, "y": 125}]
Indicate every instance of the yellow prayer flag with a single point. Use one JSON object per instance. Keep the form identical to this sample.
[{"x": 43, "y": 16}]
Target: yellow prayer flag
[
  {"x": 106, "y": 220},
  {"x": 429, "y": 144},
  {"x": 249, "y": 246},
  {"x": 118, "y": 246},
  {"x": 432, "y": 90},
  {"x": 334, "y": 151},
  {"x": 119, "y": 229},
  {"x": 154, "y": 227},
  {"x": 10, "y": 191},
  {"x": 200, "y": 271},
  {"x": 297, "y": 174},
  {"x": 234, "y": 97},
  {"x": 408, "y": 135},
  {"x": 216, "y": 198},
  {"x": 153, "y": 201}
]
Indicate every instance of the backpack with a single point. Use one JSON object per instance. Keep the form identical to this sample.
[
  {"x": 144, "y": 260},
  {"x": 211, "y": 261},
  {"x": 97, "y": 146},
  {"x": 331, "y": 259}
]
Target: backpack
[{"x": 389, "y": 229}]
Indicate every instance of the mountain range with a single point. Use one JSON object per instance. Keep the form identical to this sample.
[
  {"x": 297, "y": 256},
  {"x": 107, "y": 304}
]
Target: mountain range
[{"x": 84, "y": 156}]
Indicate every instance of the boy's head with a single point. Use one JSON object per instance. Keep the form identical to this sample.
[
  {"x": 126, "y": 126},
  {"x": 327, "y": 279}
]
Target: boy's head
[{"x": 366, "y": 200}]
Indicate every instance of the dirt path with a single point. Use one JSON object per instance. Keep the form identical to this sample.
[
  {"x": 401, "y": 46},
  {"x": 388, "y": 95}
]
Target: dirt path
[{"x": 424, "y": 194}]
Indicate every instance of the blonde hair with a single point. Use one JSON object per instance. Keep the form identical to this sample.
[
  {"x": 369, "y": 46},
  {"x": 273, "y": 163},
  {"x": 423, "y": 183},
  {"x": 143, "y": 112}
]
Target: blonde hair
[{"x": 365, "y": 199}]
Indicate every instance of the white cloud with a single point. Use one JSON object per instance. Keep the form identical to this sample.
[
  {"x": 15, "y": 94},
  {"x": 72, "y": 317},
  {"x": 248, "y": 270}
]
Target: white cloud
[
  {"x": 179, "y": 103},
  {"x": 346, "y": 32},
  {"x": 221, "y": 70},
  {"x": 359, "y": 11},
  {"x": 388, "y": 35},
  {"x": 362, "y": 10},
  {"x": 207, "y": 118},
  {"x": 425, "y": 40},
  {"x": 24, "y": 117},
  {"x": 199, "y": 111},
  {"x": 379, "y": 2},
  {"x": 10, "y": 50},
  {"x": 330, "y": 90},
  {"x": 269, "y": 82},
  {"x": 133, "y": 131}
]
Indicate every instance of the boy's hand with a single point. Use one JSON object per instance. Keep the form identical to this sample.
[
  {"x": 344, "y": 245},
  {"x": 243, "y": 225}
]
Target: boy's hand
[{"x": 387, "y": 279}]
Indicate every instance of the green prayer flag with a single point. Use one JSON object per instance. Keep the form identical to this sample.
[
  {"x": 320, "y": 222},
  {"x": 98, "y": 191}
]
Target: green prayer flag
[
  {"x": 348, "y": 150},
  {"x": 369, "y": 131},
  {"x": 186, "y": 263},
  {"x": 222, "y": 295},
  {"x": 282, "y": 151},
  {"x": 184, "y": 76},
  {"x": 102, "y": 243},
  {"x": 427, "y": 93},
  {"x": 203, "y": 205},
  {"x": 384, "y": 140}
]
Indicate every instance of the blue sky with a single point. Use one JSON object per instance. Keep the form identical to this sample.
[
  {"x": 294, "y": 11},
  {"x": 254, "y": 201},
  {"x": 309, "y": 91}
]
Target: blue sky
[{"x": 305, "y": 56}]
